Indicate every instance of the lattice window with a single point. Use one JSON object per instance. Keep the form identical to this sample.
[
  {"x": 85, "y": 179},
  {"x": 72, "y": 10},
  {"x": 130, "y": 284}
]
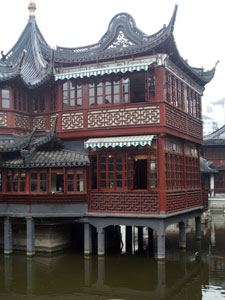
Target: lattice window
[
  {"x": 124, "y": 171},
  {"x": 151, "y": 83},
  {"x": 192, "y": 172},
  {"x": 72, "y": 94},
  {"x": 38, "y": 181},
  {"x": 75, "y": 180},
  {"x": 53, "y": 100},
  {"x": 15, "y": 181},
  {"x": 174, "y": 171},
  {"x": 5, "y": 95},
  {"x": 181, "y": 96}
]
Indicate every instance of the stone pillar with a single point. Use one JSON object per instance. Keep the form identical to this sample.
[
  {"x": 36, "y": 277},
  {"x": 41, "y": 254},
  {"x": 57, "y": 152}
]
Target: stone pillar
[
  {"x": 30, "y": 236},
  {"x": 161, "y": 241},
  {"x": 140, "y": 238},
  {"x": 198, "y": 228},
  {"x": 128, "y": 239},
  {"x": 212, "y": 186},
  {"x": 150, "y": 240},
  {"x": 8, "y": 244},
  {"x": 182, "y": 235},
  {"x": 101, "y": 241},
  {"x": 87, "y": 239}
]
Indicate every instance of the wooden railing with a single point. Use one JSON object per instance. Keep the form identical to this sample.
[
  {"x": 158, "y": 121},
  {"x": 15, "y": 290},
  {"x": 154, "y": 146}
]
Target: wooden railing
[
  {"x": 124, "y": 202},
  {"x": 43, "y": 198}
]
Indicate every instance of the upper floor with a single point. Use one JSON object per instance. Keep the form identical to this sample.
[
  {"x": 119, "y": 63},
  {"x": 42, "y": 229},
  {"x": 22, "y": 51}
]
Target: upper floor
[{"x": 128, "y": 79}]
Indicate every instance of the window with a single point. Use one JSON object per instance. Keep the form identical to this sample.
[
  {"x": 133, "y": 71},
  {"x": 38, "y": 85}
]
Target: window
[
  {"x": 109, "y": 92},
  {"x": 15, "y": 181},
  {"x": 117, "y": 171},
  {"x": 72, "y": 94},
  {"x": 57, "y": 180},
  {"x": 151, "y": 83},
  {"x": 153, "y": 171},
  {"x": 38, "y": 103},
  {"x": 5, "y": 98},
  {"x": 38, "y": 181},
  {"x": 75, "y": 180},
  {"x": 53, "y": 101},
  {"x": 111, "y": 171},
  {"x": 137, "y": 87}
]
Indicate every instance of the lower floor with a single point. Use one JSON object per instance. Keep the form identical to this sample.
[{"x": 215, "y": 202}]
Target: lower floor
[{"x": 93, "y": 230}]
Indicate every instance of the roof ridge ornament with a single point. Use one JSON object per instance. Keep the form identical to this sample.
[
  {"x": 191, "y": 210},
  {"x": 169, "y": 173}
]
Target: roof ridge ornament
[{"x": 32, "y": 8}]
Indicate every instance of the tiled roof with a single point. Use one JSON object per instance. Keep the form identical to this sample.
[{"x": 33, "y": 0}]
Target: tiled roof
[
  {"x": 54, "y": 158},
  {"x": 32, "y": 62},
  {"x": 25, "y": 62}
]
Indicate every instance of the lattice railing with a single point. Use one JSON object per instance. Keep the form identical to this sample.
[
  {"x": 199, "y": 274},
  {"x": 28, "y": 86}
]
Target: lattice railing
[
  {"x": 183, "y": 123},
  {"x": 124, "y": 202},
  {"x": 181, "y": 200}
]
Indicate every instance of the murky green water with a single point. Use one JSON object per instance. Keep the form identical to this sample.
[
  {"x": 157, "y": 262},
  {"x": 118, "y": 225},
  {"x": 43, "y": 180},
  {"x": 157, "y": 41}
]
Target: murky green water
[{"x": 196, "y": 273}]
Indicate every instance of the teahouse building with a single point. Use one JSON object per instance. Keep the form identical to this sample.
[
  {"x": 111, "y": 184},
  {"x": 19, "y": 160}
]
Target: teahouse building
[{"x": 107, "y": 133}]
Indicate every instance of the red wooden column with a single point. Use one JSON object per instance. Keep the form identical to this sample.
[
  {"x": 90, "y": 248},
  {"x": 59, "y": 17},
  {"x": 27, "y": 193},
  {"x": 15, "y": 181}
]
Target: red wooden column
[
  {"x": 161, "y": 175},
  {"x": 160, "y": 81}
]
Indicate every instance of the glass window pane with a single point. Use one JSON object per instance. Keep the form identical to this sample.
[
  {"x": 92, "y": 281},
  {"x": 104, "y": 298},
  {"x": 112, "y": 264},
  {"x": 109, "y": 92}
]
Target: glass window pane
[
  {"x": 116, "y": 89},
  {"x": 108, "y": 99},
  {"x": 116, "y": 98},
  {"x": 70, "y": 177},
  {"x": 72, "y": 94},
  {"x": 79, "y": 102},
  {"x": 5, "y": 94},
  {"x": 111, "y": 175},
  {"x": 43, "y": 186},
  {"x": 110, "y": 167},
  {"x": 102, "y": 167},
  {"x": 70, "y": 186},
  {"x": 119, "y": 183},
  {"x": 80, "y": 186},
  {"x": 91, "y": 100},
  {"x": 125, "y": 98},
  {"x": 43, "y": 176},
  {"x": 15, "y": 186},
  {"x": 111, "y": 184},
  {"x": 72, "y": 102},
  {"x": 22, "y": 186},
  {"x": 65, "y": 86},
  {"x": 108, "y": 89},
  {"x": 33, "y": 186},
  {"x": 103, "y": 184},
  {"x": 102, "y": 159},
  {"x": 99, "y": 100},
  {"x": 33, "y": 176},
  {"x": 103, "y": 176},
  {"x": 5, "y": 103}
]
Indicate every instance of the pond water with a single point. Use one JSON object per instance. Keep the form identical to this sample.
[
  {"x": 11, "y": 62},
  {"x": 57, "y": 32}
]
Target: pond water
[{"x": 195, "y": 273}]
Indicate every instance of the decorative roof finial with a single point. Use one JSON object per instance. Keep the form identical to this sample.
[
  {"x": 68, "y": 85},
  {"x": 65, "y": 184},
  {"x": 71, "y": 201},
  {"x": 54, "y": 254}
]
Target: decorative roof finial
[{"x": 32, "y": 8}]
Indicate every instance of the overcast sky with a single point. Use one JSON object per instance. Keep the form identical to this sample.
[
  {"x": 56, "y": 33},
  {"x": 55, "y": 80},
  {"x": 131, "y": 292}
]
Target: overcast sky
[{"x": 199, "y": 27}]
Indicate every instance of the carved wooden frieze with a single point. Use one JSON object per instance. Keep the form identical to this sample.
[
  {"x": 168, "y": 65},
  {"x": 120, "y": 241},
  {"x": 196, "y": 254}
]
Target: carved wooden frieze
[
  {"x": 22, "y": 121},
  {"x": 144, "y": 115},
  {"x": 3, "y": 120},
  {"x": 72, "y": 121},
  {"x": 39, "y": 123}
]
